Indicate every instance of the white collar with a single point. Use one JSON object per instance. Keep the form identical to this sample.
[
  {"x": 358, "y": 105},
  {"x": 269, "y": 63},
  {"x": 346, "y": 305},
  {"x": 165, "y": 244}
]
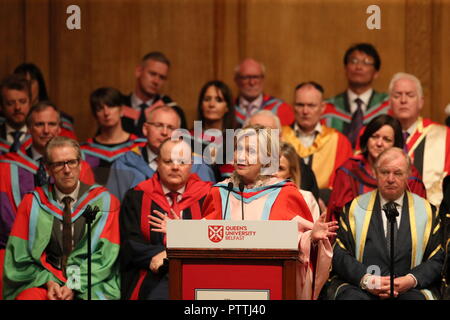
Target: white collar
[
  {"x": 244, "y": 102},
  {"x": 35, "y": 154},
  {"x": 398, "y": 202},
  {"x": 317, "y": 129},
  {"x": 151, "y": 155},
  {"x": 365, "y": 97},
  {"x": 74, "y": 194},
  {"x": 10, "y": 129},
  {"x": 166, "y": 190},
  {"x": 136, "y": 101}
]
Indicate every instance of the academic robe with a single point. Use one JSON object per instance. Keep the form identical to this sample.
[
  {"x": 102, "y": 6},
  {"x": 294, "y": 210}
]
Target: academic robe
[
  {"x": 26, "y": 263},
  {"x": 131, "y": 168},
  {"x": 281, "y": 109},
  {"x": 139, "y": 244},
  {"x": 18, "y": 173},
  {"x": 361, "y": 243},
  {"x": 337, "y": 111},
  {"x": 131, "y": 115},
  {"x": 276, "y": 200},
  {"x": 353, "y": 179},
  {"x": 101, "y": 156},
  {"x": 329, "y": 151},
  {"x": 429, "y": 149},
  {"x": 444, "y": 213}
]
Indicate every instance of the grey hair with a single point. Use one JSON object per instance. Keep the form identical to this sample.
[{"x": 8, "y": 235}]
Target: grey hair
[
  {"x": 58, "y": 142},
  {"x": 263, "y": 67},
  {"x": 387, "y": 154},
  {"x": 265, "y": 113},
  {"x": 403, "y": 75}
]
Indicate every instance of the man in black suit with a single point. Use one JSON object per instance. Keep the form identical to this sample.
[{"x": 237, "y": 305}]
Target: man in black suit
[
  {"x": 361, "y": 257},
  {"x": 15, "y": 105},
  {"x": 151, "y": 75}
]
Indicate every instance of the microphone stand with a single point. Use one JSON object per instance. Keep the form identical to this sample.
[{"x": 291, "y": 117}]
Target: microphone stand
[
  {"x": 391, "y": 214},
  {"x": 229, "y": 188},
  {"x": 89, "y": 214},
  {"x": 241, "y": 189}
]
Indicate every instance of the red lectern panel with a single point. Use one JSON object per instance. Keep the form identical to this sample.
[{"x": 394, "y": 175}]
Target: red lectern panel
[{"x": 236, "y": 276}]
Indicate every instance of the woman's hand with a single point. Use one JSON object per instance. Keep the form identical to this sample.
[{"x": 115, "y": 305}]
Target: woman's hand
[
  {"x": 323, "y": 230},
  {"x": 159, "y": 222}
]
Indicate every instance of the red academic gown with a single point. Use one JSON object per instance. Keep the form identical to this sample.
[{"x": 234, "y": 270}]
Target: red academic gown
[{"x": 139, "y": 244}]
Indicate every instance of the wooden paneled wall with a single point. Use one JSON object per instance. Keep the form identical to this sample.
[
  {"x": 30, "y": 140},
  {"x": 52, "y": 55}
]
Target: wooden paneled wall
[{"x": 297, "y": 40}]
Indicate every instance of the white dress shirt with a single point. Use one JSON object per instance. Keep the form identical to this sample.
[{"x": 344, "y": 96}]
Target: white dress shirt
[
  {"x": 10, "y": 130},
  {"x": 365, "y": 97},
  {"x": 399, "y": 203}
]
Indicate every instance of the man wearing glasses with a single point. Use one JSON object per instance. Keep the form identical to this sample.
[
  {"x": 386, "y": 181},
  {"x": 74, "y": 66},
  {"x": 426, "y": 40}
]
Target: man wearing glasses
[
  {"x": 46, "y": 252},
  {"x": 24, "y": 170},
  {"x": 135, "y": 167},
  {"x": 350, "y": 110},
  {"x": 249, "y": 77}
]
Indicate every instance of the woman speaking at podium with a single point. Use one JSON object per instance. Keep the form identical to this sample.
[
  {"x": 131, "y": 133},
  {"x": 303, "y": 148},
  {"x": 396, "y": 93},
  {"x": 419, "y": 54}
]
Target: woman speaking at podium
[{"x": 254, "y": 193}]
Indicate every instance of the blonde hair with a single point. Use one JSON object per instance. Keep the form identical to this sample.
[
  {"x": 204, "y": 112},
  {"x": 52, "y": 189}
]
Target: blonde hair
[
  {"x": 268, "y": 146},
  {"x": 288, "y": 151}
]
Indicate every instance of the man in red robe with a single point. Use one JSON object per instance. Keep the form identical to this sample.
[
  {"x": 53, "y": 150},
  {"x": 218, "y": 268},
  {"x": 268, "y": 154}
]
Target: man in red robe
[{"x": 173, "y": 191}]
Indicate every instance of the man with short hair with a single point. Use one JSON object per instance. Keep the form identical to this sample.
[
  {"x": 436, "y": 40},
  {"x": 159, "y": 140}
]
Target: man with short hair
[
  {"x": 322, "y": 148},
  {"x": 15, "y": 105},
  {"x": 427, "y": 142},
  {"x": 134, "y": 167},
  {"x": 46, "y": 252},
  {"x": 364, "y": 240},
  {"x": 24, "y": 170},
  {"x": 249, "y": 77},
  {"x": 173, "y": 191},
  {"x": 151, "y": 74},
  {"x": 350, "y": 110}
]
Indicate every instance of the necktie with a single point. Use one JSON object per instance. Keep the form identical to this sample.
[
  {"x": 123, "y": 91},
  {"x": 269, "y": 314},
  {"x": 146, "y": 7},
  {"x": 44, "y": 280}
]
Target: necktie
[
  {"x": 175, "y": 206},
  {"x": 356, "y": 123},
  {"x": 389, "y": 235},
  {"x": 405, "y": 137},
  {"x": 16, "y": 143},
  {"x": 41, "y": 175},
  {"x": 67, "y": 231},
  {"x": 141, "y": 119}
]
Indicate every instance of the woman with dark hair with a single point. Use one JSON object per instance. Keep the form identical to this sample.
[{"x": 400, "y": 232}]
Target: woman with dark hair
[
  {"x": 356, "y": 175},
  {"x": 216, "y": 112},
  {"x": 33, "y": 74},
  {"x": 111, "y": 141}
]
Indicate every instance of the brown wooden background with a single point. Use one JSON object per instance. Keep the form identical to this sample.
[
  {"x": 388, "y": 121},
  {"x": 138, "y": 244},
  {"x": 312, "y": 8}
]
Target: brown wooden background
[{"x": 297, "y": 40}]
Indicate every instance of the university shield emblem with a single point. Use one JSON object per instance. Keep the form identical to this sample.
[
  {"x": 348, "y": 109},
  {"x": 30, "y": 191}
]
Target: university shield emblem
[{"x": 215, "y": 233}]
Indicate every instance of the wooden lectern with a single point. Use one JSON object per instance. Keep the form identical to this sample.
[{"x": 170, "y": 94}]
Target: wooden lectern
[{"x": 232, "y": 260}]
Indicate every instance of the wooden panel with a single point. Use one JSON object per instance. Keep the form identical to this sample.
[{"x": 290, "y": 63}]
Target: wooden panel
[
  {"x": 12, "y": 33},
  {"x": 297, "y": 40}
]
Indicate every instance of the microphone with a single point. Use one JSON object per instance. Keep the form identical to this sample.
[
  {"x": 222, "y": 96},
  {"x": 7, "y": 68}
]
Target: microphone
[
  {"x": 390, "y": 210},
  {"x": 241, "y": 189},
  {"x": 229, "y": 188}
]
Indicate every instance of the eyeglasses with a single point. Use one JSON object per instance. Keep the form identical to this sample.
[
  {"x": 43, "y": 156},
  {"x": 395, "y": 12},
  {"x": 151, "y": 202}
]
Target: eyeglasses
[
  {"x": 162, "y": 126},
  {"x": 58, "y": 166},
  {"x": 251, "y": 77},
  {"x": 365, "y": 62}
]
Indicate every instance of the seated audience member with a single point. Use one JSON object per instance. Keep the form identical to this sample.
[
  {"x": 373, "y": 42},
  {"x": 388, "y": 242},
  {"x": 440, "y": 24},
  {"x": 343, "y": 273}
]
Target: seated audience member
[
  {"x": 356, "y": 176},
  {"x": 134, "y": 167},
  {"x": 175, "y": 192},
  {"x": 48, "y": 240},
  {"x": 290, "y": 169},
  {"x": 350, "y": 110},
  {"x": 111, "y": 140},
  {"x": 364, "y": 235},
  {"x": 269, "y": 198},
  {"x": 15, "y": 105},
  {"x": 24, "y": 170},
  {"x": 308, "y": 181},
  {"x": 249, "y": 77},
  {"x": 151, "y": 75},
  {"x": 216, "y": 112},
  {"x": 444, "y": 213},
  {"x": 322, "y": 148},
  {"x": 427, "y": 142},
  {"x": 33, "y": 74}
]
